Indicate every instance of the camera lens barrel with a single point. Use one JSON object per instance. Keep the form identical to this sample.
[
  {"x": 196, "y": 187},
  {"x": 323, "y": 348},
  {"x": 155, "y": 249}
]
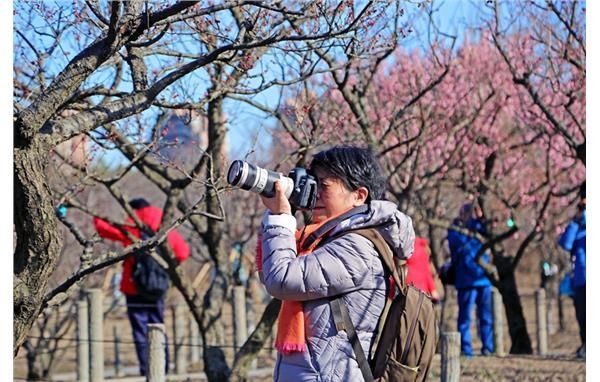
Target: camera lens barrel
[{"x": 256, "y": 179}]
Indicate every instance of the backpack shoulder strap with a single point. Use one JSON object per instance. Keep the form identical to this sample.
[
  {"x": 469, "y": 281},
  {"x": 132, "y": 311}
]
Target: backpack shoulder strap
[
  {"x": 154, "y": 252},
  {"x": 339, "y": 309},
  {"x": 385, "y": 252},
  {"x": 387, "y": 257},
  {"x": 341, "y": 316}
]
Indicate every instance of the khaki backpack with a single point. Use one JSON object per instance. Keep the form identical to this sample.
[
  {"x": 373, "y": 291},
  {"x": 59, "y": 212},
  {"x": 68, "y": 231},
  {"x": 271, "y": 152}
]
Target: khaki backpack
[{"x": 407, "y": 335}]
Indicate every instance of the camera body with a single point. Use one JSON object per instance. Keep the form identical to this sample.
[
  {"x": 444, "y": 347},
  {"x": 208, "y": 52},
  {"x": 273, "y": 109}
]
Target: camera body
[
  {"x": 299, "y": 186},
  {"x": 304, "y": 195}
]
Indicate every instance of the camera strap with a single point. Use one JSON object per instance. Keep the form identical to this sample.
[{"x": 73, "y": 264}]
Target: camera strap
[{"x": 324, "y": 230}]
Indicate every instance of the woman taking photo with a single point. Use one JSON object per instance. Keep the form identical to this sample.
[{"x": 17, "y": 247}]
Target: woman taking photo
[{"x": 306, "y": 268}]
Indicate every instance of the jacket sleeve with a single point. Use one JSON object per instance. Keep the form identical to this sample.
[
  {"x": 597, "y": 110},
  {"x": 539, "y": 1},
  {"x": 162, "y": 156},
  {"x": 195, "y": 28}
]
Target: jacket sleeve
[
  {"x": 568, "y": 237},
  {"x": 179, "y": 246},
  {"x": 477, "y": 226},
  {"x": 108, "y": 231},
  {"x": 456, "y": 242},
  {"x": 429, "y": 280},
  {"x": 428, "y": 275},
  {"x": 340, "y": 266}
]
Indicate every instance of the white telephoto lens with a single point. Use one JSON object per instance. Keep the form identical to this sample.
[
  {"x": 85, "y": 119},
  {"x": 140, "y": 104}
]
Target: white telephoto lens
[
  {"x": 262, "y": 176},
  {"x": 288, "y": 185}
]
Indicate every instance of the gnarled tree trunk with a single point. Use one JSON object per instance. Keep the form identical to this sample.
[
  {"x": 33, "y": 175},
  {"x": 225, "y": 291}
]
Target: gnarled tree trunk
[
  {"x": 216, "y": 367},
  {"x": 517, "y": 327},
  {"x": 38, "y": 238}
]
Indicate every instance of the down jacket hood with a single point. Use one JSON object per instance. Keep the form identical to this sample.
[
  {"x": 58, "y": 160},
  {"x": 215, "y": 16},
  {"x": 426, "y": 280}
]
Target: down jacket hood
[{"x": 395, "y": 227}]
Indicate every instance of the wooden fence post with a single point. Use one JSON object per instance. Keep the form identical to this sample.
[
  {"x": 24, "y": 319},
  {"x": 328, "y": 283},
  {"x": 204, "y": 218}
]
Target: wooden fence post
[
  {"x": 83, "y": 341},
  {"x": 498, "y": 322},
  {"x": 180, "y": 352},
  {"x": 96, "y": 335},
  {"x": 239, "y": 317},
  {"x": 156, "y": 353},
  {"x": 450, "y": 357},
  {"x": 117, "y": 339},
  {"x": 194, "y": 340},
  {"x": 542, "y": 328},
  {"x": 552, "y": 306}
]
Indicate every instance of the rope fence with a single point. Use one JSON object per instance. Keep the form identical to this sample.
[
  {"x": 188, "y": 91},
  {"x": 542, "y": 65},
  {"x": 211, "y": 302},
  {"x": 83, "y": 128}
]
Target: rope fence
[
  {"x": 132, "y": 342},
  {"x": 186, "y": 344}
]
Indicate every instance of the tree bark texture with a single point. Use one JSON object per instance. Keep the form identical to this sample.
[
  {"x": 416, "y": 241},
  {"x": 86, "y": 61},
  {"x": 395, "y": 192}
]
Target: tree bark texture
[
  {"x": 216, "y": 367},
  {"x": 38, "y": 237},
  {"x": 517, "y": 327}
]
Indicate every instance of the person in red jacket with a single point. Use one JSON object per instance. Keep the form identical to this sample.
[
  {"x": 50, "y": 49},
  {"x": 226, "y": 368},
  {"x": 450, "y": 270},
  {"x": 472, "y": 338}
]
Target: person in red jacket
[
  {"x": 140, "y": 311},
  {"x": 419, "y": 270}
]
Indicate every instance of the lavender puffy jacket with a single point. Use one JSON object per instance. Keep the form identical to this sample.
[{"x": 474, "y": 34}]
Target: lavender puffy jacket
[{"x": 348, "y": 265}]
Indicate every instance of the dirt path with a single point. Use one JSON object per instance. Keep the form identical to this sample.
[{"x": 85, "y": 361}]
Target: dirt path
[{"x": 516, "y": 368}]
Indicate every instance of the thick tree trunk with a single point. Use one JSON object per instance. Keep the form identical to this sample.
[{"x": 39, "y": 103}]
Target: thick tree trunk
[
  {"x": 38, "y": 238},
  {"x": 517, "y": 328},
  {"x": 581, "y": 152},
  {"x": 248, "y": 352},
  {"x": 33, "y": 372},
  {"x": 216, "y": 367}
]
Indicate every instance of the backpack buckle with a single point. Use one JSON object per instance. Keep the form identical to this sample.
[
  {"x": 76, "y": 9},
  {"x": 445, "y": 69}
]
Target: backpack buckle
[{"x": 336, "y": 311}]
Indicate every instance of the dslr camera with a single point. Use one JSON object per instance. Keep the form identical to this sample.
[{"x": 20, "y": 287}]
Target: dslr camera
[{"x": 299, "y": 186}]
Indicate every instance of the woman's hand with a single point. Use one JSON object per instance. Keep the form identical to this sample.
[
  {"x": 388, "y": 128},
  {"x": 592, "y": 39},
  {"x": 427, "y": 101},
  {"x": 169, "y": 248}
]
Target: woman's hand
[{"x": 278, "y": 204}]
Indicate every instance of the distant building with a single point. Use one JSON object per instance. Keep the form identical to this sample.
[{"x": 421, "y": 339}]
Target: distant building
[{"x": 180, "y": 143}]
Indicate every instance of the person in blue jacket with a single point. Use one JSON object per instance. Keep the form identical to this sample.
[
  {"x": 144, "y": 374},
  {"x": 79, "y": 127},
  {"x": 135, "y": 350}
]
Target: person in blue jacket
[
  {"x": 471, "y": 282},
  {"x": 573, "y": 240}
]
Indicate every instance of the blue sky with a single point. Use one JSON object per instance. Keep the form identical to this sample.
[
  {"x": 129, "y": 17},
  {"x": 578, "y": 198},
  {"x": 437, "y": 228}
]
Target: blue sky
[
  {"x": 246, "y": 124},
  {"x": 453, "y": 16}
]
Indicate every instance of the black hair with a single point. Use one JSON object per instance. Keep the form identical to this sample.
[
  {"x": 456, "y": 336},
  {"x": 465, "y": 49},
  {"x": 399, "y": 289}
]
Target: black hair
[
  {"x": 354, "y": 166},
  {"x": 138, "y": 203}
]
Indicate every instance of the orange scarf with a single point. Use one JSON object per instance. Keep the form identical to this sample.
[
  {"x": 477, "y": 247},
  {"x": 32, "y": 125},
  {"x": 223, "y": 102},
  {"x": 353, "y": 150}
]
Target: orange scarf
[
  {"x": 290, "y": 326},
  {"x": 291, "y": 336}
]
